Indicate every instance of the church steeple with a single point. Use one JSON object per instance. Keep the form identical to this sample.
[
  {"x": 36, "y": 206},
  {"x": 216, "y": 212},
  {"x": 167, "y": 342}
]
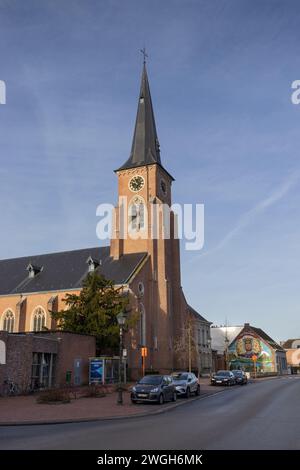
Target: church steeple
[
  {"x": 142, "y": 182},
  {"x": 145, "y": 145}
]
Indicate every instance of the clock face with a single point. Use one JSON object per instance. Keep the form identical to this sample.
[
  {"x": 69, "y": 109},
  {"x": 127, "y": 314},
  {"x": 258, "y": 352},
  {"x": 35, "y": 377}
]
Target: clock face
[
  {"x": 136, "y": 183},
  {"x": 163, "y": 187}
]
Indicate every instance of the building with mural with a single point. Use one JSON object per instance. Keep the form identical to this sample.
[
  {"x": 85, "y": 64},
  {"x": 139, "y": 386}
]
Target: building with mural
[{"x": 252, "y": 350}]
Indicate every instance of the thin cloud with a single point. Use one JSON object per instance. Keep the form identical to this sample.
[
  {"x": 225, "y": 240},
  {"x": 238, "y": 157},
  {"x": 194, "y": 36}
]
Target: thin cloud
[{"x": 261, "y": 207}]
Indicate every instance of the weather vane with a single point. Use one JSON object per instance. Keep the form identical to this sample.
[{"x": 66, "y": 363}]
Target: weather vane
[{"x": 143, "y": 51}]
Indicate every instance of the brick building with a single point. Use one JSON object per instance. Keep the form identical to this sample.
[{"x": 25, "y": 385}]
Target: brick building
[
  {"x": 292, "y": 349},
  {"x": 202, "y": 339},
  {"x": 147, "y": 267},
  {"x": 45, "y": 359}
]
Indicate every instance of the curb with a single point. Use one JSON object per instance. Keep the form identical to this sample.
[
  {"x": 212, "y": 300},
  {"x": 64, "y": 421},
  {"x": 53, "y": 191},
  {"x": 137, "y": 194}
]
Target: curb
[{"x": 110, "y": 418}]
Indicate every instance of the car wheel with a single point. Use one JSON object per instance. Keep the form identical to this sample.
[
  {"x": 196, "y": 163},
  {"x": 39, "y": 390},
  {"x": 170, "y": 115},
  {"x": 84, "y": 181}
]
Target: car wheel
[
  {"x": 174, "y": 397},
  {"x": 161, "y": 399},
  {"x": 187, "y": 393},
  {"x": 133, "y": 401},
  {"x": 197, "y": 393}
]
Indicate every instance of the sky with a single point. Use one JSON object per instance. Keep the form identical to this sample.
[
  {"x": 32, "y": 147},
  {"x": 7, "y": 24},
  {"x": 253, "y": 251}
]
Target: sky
[{"x": 220, "y": 73}]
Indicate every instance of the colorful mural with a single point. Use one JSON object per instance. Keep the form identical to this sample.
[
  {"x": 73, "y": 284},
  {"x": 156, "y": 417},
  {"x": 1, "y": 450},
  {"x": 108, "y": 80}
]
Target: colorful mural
[{"x": 241, "y": 351}]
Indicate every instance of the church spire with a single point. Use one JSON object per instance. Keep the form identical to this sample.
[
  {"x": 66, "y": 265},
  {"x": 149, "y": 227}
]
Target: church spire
[{"x": 145, "y": 145}]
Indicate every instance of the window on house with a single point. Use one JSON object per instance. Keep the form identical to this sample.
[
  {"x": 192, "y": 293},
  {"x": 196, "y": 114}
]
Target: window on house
[
  {"x": 43, "y": 368},
  {"x": 9, "y": 321},
  {"x": 39, "y": 319}
]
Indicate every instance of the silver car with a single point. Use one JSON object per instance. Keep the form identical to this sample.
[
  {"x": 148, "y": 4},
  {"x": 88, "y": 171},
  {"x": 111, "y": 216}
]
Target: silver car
[{"x": 186, "y": 383}]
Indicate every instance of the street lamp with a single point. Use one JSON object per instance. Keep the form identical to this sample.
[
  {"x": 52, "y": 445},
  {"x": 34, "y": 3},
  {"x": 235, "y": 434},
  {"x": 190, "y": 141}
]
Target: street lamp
[
  {"x": 121, "y": 317},
  {"x": 209, "y": 353}
]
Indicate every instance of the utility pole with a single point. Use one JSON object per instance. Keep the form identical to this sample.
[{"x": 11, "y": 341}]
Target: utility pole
[
  {"x": 190, "y": 347},
  {"x": 226, "y": 345}
]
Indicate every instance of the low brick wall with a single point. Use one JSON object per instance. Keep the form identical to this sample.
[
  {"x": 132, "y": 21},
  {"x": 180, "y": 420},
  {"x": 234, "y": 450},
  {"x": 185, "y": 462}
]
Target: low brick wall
[{"x": 67, "y": 347}]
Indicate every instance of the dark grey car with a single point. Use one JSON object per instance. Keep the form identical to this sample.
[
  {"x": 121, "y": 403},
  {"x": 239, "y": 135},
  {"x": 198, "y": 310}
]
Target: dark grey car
[
  {"x": 154, "y": 388},
  {"x": 240, "y": 377},
  {"x": 223, "y": 377},
  {"x": 186, "y": 383}
]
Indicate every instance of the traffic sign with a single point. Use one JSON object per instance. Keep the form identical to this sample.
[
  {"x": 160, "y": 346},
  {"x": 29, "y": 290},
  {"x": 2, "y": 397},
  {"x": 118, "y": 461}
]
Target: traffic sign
[{"x": 144, "y": 352}]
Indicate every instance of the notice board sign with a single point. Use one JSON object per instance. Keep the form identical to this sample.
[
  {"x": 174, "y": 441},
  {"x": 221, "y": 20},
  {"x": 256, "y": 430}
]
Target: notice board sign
[{"x": 96, "y": 371}]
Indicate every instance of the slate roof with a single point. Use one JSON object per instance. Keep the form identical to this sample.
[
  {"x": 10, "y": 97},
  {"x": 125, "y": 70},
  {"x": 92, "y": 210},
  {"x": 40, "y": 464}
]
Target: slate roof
[
  {"x": 197, "y": 315},
  {"x": 64, "y": 270},
  {"x": 267, "y": 338},
  {"x": 145, "y": 148}
]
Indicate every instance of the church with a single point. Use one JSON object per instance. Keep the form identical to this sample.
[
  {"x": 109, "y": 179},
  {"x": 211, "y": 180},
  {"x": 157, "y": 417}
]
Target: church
[{"x": 147, "y": 267}]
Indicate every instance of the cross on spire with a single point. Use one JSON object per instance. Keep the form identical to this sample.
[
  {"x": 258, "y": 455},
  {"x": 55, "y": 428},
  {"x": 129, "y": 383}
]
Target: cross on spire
[{"x": 143, "y": 51}]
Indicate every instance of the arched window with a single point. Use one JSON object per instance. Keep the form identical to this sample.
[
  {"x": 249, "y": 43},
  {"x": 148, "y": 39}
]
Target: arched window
[
  {"x": 142, "y": 325},
  {"x": 8, "y": 321},
  {"x": 136, "y": 212},
  {"x": 38, "y": 319}
]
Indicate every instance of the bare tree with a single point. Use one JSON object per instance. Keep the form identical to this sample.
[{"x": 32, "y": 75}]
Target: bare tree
[{"x": 186, "y": 346}]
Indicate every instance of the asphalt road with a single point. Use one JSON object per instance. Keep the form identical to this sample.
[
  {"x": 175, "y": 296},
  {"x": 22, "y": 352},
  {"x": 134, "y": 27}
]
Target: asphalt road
[{"x": 264, "y": 415}]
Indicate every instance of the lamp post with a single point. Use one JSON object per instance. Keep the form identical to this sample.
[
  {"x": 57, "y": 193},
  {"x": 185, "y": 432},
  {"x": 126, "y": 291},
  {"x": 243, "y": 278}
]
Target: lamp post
[
  {"x": 209, "y": 354},
  {"x": 121, "y": 317}
]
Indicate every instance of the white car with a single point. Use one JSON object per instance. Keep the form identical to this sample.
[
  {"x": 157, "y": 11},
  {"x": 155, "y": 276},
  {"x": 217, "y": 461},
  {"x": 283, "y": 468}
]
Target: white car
[{"x": 186, "y": 383}]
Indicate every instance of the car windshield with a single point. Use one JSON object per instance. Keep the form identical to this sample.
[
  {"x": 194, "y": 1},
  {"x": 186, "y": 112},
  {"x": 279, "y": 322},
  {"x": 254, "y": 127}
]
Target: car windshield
[
  {"x": 151, "y": 380},
  {"x": 237, "y": 372},
  {"x": 179, "y": 376},
  {"x": 225, "y": 373}
]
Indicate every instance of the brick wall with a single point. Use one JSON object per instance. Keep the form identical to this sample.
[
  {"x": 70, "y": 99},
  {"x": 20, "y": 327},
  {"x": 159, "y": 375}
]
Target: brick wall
[
  {"x": 67, "y": 347},
  {"x": 74, "y": 346}
]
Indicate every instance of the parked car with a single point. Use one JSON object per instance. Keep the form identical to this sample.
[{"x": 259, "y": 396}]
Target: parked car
[
  {"x": 240, "y": 377},
  {"x": 186, "y": 383},
  {"x": 223, "y": 377},
  {"x": 154, "y": 388}
]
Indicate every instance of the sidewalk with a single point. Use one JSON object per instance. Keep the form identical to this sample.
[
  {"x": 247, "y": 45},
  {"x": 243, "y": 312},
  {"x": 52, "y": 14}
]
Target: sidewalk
[{"x": 25, "y": 409}]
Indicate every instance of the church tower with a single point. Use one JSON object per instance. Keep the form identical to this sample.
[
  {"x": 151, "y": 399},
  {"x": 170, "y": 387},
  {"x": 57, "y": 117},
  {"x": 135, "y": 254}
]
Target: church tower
[
  {"x": 144, "y": 186},
  {"x": 143, "y": 181}
]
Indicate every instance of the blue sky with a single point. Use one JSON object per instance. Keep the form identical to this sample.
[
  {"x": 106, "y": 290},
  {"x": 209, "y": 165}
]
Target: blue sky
[{"x": 220, "y": 74}]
